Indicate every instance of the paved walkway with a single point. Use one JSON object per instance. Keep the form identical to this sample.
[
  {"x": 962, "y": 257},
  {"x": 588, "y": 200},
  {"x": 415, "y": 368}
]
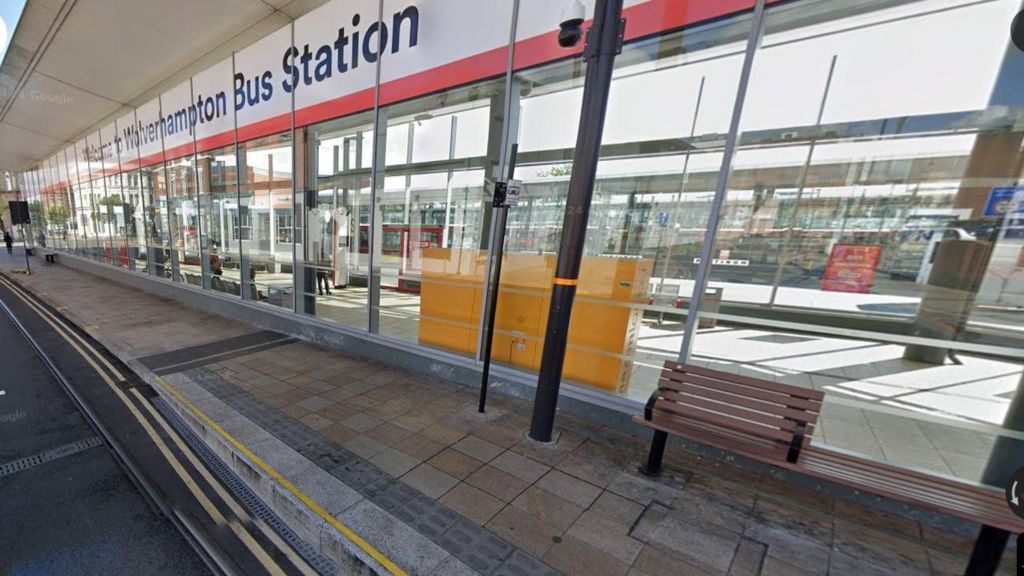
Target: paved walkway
[{"x": 412, "y": 449}]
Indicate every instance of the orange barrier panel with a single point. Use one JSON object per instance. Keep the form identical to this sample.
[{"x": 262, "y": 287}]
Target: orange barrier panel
[{"x": 605, "y": 320}]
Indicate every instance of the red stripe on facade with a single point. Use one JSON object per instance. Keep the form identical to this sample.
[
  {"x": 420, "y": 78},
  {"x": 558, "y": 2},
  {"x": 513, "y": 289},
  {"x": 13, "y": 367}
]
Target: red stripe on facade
[
  {"x": 216, "y": 141},
  {"x": 661, "y": 15},
  {"x": 541, "y": 50},
  {"x": 477, "y": 67},
  {"x": 642, "y": 20},
  {"x": 266, "y": 127},
  {"x": 342, "y": 106},
  {"x": 176, "y": 152},
  {"x": 151, "y": 159}
]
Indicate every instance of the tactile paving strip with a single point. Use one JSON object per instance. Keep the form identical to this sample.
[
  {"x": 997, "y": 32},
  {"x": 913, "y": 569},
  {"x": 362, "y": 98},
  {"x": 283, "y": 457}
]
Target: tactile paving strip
[
  {"x": 216, "y": 350},
  {"x": 49, "y": 456},
  {"x": 471, "y": 543},
  {"x": 252, "y": 503}
]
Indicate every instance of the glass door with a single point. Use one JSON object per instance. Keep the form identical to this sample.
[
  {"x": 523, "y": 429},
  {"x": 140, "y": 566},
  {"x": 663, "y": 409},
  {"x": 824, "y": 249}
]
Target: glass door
[{"x": 334, "y": 254}]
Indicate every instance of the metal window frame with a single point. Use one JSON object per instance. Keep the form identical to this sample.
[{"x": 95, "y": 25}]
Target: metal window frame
[
  {"x": 175, "y": 269},
  {"x": 247, "y": 287},
  {"x": 298, "y": 203},
  {"x": 72, "y": 203},
  {"x": 377, "y": 156},
  {"x": 722, "y": 187},
  {"x": 121, "y": 177},
  {"x": 500, "y": 170}
]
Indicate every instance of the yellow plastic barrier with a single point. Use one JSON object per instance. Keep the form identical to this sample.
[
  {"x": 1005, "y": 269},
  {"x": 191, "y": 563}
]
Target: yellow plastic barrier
[{"x": 605, "y": 319}]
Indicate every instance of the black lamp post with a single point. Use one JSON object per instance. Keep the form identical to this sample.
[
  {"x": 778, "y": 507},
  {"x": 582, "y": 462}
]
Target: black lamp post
[{"x": 604, "y": 41}]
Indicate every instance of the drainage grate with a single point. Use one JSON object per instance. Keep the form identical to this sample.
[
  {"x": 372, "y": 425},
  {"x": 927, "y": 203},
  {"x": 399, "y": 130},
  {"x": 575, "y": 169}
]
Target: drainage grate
[
  {"x": 248, "y": 499},
  {"x": 49, "y": 456}
]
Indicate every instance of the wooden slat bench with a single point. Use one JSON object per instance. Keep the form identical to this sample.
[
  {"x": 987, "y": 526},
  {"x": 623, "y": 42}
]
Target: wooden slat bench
[{"x": 772, "y": 423}]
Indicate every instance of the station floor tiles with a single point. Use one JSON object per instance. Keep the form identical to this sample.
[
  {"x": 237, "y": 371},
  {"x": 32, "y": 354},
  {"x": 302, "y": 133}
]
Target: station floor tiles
[{"x": 578, "y": 506}]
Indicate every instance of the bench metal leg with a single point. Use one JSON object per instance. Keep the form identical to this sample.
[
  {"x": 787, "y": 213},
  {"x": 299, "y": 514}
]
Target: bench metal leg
[
  {"x": 988, "y": 551},
  {"x": 653, "y": 465}
]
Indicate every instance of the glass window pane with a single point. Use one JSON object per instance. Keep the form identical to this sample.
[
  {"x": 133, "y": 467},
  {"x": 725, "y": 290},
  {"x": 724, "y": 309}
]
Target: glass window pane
[
  {"x": 82, "y": 226},
  {"x": 430, "y": 233},
  {"x": 116, "y": 215},
  {"x": 334, "y": 251},
  {"x": 135, "y": 218},
  {"x": 862, "y": 209},
  {"x": 433, "y": 214},
  {"x": 154, "y": 195},
  {"x": 218, "y": 202},
  {"x": 183, "y": 217},
  {"x": 266, "y": 195}
]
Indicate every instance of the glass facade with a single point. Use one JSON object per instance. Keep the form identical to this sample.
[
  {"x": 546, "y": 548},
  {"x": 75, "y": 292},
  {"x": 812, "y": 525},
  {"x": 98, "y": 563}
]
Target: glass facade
[
  {"x": 265, "y": 222},
  {"x": 863, "y": 237}
]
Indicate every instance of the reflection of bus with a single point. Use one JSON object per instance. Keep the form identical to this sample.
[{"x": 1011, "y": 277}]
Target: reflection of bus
[
  {"x": 401, "y": 249},
  {"x": 392, "y": 235},
  {"x": 914, "y": 243},
  {"x": 915, "y": 253}
]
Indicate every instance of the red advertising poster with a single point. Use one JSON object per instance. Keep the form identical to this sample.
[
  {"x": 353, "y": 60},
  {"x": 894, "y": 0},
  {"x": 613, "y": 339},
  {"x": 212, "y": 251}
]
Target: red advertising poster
[{"x": 851, "y": 268}]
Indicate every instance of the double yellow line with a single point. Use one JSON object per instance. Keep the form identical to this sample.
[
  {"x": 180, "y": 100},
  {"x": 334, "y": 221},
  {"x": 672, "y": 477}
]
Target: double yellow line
[
  {"x": 283, "y": 482},
  {"x": 258, "y": 551}
]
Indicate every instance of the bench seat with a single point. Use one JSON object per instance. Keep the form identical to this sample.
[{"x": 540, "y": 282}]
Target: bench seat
[
  {"x": 772, "y": 423},
  {"x": 955, "y": 497},
  {"x": 755, "y": 449},
  {"x": 763, "y": 420}
]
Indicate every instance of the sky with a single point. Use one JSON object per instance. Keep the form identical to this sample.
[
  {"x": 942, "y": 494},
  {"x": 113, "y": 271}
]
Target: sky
[{"x": 10, "y": 12}]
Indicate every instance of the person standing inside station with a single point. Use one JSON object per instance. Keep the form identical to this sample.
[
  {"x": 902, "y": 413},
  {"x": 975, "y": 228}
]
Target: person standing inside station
[
  {"x": 323, "y": 274},
  {"x": 216, "y": 263}
]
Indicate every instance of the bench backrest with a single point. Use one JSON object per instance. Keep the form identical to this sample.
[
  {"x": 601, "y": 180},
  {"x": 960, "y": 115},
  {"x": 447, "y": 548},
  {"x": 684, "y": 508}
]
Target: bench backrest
[{"x": 740, "y": 405}]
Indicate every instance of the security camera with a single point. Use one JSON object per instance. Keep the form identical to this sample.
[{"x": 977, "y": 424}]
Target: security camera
[
  {"x": 571, "y": 24},
  {"x": 1016, "y": 30}
]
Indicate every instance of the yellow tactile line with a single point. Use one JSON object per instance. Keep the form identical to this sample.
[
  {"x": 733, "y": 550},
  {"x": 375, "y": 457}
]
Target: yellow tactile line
[{"x": 284, "y": 483}]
